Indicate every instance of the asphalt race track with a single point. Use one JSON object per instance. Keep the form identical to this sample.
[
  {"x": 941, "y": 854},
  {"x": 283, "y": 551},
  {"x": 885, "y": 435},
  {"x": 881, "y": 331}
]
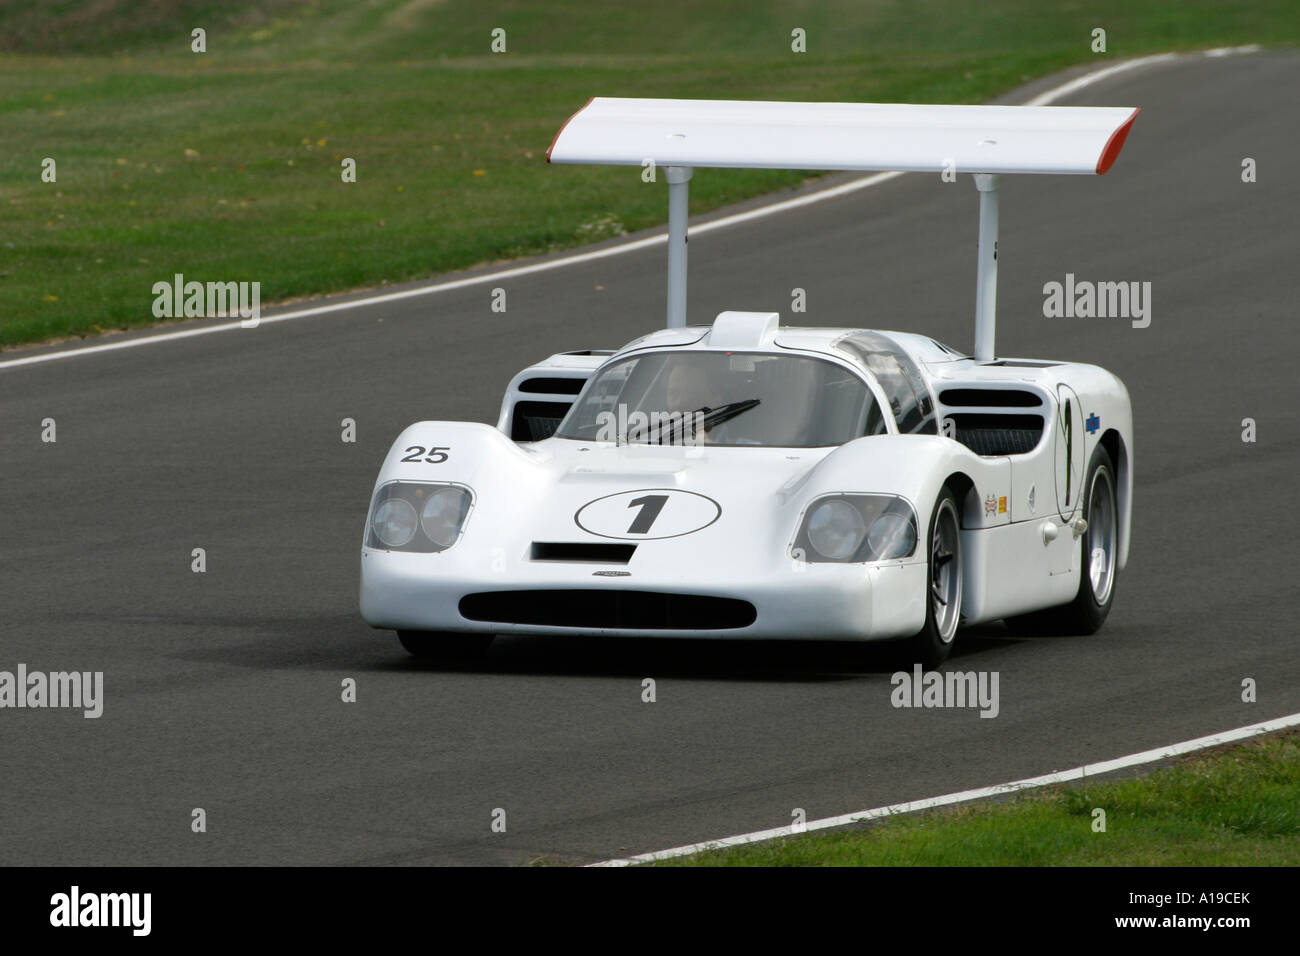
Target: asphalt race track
[{"x": 223, "y": 688}]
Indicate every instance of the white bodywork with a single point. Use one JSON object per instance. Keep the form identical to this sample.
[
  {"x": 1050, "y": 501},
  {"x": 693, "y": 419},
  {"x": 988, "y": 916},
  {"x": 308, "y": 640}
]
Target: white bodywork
[
  {"x": 1019, "y": 558},
  {"x": 547, "y": 536}
]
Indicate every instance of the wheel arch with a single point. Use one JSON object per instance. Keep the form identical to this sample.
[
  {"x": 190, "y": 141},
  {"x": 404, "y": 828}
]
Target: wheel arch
[
  {"x": 964, "y": 488},
  {"x": 1118, "y": 450}
]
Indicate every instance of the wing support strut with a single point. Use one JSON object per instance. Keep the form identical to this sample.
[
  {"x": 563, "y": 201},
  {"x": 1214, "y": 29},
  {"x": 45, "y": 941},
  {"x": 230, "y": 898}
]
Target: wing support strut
[
  {"x": 986, "y": 271},
  {"x": 679, "y": 185}
]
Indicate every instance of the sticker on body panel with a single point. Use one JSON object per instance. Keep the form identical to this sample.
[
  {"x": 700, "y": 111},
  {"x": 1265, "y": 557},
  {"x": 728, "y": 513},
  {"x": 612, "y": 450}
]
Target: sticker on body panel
[{"x": 648, "y": 514}]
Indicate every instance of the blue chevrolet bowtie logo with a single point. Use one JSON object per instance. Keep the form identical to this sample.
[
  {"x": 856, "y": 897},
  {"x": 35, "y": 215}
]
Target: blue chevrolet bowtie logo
[{"x": 1093, "y": 423}]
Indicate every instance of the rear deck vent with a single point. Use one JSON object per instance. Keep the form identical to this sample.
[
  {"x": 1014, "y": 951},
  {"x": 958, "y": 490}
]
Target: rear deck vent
[{"x": 1021, "y": 363}]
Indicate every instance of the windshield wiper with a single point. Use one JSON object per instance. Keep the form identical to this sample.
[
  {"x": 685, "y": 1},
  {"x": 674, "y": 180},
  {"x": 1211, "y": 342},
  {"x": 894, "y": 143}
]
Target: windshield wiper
[{"x": 705, "y": 418}]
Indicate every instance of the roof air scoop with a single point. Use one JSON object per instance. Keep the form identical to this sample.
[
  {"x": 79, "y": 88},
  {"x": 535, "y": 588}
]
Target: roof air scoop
[{"x": 744, "y": 330}]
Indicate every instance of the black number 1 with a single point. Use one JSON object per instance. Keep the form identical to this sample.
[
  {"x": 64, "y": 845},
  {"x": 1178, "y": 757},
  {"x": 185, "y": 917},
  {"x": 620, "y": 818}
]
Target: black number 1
[{"x": 650, "y": 506}]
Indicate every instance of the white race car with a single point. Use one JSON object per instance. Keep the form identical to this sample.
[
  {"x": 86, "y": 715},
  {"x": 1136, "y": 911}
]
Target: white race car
[{"x": 753, "y": 480}]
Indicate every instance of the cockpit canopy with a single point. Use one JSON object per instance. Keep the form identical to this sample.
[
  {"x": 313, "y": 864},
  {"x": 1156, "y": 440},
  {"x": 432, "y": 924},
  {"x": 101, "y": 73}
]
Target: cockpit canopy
[{"x": 688, "y": 396}]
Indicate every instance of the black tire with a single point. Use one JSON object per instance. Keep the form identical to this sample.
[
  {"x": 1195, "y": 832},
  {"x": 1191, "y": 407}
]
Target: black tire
[
  {"x": 931, "y": 645},
  {"x": 1087, "y": 612},
  {"x": 437, "y": 646}
]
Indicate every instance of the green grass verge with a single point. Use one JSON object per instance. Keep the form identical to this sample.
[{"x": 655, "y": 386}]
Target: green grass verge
[
  {"x": 226, "y": 165},
  {"x": 1235, "y": 806}
]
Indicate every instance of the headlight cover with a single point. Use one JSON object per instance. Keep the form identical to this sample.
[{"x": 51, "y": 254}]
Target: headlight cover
[
  {"x": 420, "y": 517},
  {"x": 394, "y": 523},
  {"x": 851, "y": 529},
  {"x": 835, "y": 529}
]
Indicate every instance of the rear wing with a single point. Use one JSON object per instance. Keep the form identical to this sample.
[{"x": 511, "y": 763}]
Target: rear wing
[
  {"x": 851, "y": 136},
  {"x": 988, "y": 141}
]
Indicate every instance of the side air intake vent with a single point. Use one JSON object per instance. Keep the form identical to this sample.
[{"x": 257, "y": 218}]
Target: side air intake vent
[
  {"x": 998, "y": 434},
  {"x": 553, "y": 386},
  {"x": 534, "y": 421},
  {"x": 990, "y": 398}
]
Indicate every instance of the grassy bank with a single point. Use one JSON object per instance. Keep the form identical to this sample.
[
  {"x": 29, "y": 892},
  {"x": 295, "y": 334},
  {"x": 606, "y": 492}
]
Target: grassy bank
[
  {"x": 1236, "y": 806},
  {"x": 225, "y": 165}
]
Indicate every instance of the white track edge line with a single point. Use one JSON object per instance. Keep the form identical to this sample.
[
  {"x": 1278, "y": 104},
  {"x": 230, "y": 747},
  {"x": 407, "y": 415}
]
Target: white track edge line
[
  {"x": 784, "y": 205},
  {"x": 911, "y": 806}
]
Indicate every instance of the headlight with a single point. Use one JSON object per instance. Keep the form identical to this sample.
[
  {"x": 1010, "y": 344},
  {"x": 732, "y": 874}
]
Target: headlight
[
  {"x": 394, "y": 523},
  {"x": 892, "y": 535},
  {"x": 418, "y": 516},
  {"x": 835, "y": 529},
  {"x": 443, "y": 513},
  {"x": 857, "y": 528}
]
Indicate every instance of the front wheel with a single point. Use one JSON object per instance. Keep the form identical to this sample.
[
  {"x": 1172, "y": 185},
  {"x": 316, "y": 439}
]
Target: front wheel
[
  {"x": 931, "y": 645},
  {"x": 436, "y": 646}
]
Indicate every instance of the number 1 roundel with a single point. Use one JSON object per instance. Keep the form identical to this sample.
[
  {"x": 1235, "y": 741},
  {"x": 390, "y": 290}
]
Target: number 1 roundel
[{"x": 648, "y": 514}]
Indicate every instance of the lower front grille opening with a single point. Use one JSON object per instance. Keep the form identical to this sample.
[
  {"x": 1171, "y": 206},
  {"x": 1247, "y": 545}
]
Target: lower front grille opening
[{"x": 607, "y": 608}]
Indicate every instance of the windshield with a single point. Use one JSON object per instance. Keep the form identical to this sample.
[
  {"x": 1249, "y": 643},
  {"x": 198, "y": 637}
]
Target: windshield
[{"x": 723, "y": 398}]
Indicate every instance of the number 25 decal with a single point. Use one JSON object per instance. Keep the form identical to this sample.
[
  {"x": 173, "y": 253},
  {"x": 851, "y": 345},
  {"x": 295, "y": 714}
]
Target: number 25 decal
[{"x": 436, "y": 455}]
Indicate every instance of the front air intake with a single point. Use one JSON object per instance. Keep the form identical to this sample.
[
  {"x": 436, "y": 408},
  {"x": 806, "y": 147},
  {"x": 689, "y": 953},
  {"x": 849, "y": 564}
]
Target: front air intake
[
  {"x": 609, "y": 609},
  {"x": 582, "y": 552}
]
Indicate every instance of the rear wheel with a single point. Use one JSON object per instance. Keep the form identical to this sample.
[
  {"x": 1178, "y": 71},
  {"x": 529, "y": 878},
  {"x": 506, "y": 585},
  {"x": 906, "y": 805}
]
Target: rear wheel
[
  {"x": 1099, "y": 560},
  {"x": 443, "y": 646},
  {"x": 933, "y": 643}
]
